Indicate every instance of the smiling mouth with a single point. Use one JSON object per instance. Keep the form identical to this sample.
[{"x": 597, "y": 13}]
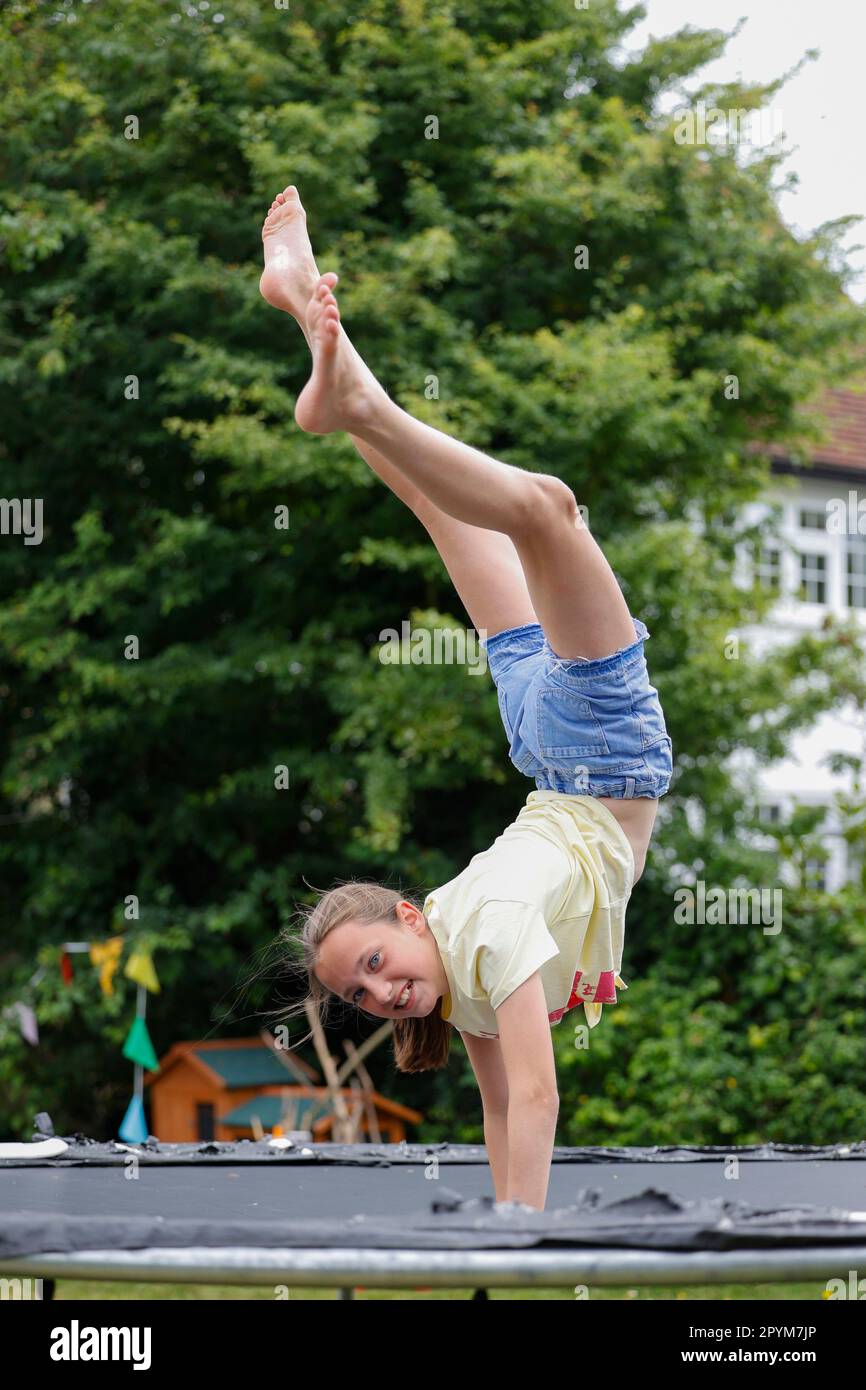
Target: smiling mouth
[{"x": 409, "y": 997}]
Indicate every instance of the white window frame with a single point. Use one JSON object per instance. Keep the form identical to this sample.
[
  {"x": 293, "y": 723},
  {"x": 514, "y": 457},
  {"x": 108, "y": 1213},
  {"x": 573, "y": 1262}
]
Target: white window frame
[
  {"x": 822, "y": 575},
  {"x": 811, "y": 509},
  {"x": 855, "y": 579},
  {"x": 768, "y": 567},
  {"x": 810, "y": 866}
]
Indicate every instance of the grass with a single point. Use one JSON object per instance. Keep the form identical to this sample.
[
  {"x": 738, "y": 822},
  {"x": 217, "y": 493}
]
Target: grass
[{"x": 119, "y": 1290}]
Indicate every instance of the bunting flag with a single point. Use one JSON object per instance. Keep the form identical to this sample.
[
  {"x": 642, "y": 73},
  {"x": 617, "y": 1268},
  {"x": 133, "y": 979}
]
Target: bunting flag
[
  {"x": 105, "y": 955},
  {"x": 138, "y": 1047},
  {"x": 139, "y": 968},
  {"x": 26, "y": 1021},
  {"x": 133, "y": 1128}
]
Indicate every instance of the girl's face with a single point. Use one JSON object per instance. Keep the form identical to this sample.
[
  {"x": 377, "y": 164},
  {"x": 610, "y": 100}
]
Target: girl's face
[{"x": 369, "y": 965}]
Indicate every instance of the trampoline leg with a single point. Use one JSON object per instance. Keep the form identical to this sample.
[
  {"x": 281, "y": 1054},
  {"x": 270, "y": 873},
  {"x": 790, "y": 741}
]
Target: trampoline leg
[
  {"x": 345, "y": 1293},
  {"x": 480, "y": 1293}
]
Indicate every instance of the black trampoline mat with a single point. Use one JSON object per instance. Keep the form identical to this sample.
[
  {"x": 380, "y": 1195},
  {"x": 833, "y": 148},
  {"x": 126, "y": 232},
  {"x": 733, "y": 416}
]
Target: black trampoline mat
[
  {"x": 295, "y": 1191},
  {"x": 249, "y": 1195}
]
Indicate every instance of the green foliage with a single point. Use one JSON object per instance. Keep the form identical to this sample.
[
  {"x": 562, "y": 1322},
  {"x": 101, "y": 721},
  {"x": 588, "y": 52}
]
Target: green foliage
[
  {"x": 258, "y": 646},
  {"x": 738, "y": 1036}
]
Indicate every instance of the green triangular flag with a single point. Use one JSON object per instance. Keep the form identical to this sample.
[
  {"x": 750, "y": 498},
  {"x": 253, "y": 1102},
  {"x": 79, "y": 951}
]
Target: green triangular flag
[{"x": 138, "y": 1047}]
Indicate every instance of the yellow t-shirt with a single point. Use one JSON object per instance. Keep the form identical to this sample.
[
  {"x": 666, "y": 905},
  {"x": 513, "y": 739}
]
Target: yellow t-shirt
[{"x": 549, "y": 894}]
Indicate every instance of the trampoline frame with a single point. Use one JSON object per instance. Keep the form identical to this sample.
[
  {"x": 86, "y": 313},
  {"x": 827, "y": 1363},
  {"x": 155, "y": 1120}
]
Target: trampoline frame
[{"x": 346, "y": 1268}]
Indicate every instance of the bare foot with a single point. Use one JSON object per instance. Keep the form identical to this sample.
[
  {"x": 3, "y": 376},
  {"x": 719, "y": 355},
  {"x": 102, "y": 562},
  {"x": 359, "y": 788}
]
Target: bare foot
[
  {"x": 342, "y": 392},
  {"x": 290, "y": 274}
]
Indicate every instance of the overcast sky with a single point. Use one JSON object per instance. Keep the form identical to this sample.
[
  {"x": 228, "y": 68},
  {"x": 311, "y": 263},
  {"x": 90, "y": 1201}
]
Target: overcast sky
[{"x": 818, "y": 110}]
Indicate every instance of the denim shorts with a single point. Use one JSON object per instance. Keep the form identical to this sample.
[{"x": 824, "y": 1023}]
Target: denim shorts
[{"x": 588, "y": 727}]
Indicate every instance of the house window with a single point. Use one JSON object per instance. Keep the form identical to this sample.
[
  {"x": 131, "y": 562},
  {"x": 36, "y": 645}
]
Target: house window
[
  {"x": 856, "y": 575},
  {"x": 813, "y": 518},
  {"x": 770, "y": 813},
  {"x": 768, "y": 568},
  {"x": 813, "y": 578},
  {"x": 815, "y": 875}
]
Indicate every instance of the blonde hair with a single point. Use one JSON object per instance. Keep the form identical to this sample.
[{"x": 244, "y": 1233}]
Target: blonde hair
[{"x": 420, "y": 1044}]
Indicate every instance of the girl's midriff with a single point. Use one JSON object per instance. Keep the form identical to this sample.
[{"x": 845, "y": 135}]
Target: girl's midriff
[{"x": 637, "y": 816}]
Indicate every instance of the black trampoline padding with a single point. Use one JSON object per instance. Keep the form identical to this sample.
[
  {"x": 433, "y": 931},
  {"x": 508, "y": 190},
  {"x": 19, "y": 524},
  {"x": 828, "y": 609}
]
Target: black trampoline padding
[{"x": 427, "y": 1197}]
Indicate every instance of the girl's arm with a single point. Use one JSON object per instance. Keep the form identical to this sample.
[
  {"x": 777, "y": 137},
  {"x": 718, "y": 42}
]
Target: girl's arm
[
  {"x": 485, "y": 1054},
  {"x": 533, "y": 1097},
  {"x": 496, "y": 1139}
]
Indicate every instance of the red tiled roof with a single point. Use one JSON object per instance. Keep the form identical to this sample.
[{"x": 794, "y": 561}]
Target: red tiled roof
[{"x": 843, "y": 411}]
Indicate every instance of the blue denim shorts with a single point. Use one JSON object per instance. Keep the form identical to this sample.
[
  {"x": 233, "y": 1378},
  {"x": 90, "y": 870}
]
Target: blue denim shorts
[{"x": 588, "y": 727}]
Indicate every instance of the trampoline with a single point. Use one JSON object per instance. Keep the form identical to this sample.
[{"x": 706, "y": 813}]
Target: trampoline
[{"x": 404, "y": 1215}]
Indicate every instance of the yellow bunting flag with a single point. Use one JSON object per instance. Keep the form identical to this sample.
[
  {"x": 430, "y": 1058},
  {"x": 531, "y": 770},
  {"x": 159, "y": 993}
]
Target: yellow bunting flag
[
  {"x": 139, "y": 968},
  {"x": 105, "y": 955}
]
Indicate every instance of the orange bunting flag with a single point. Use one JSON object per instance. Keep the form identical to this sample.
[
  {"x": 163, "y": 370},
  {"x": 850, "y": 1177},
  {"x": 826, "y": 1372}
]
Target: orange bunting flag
[{"x": 105, "y": 955}]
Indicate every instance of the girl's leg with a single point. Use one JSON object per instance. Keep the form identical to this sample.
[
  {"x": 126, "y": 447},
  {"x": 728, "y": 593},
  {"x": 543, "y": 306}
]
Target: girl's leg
[
  {"x": 571, "y": 586},
  {"x": 483, "y": 565}
]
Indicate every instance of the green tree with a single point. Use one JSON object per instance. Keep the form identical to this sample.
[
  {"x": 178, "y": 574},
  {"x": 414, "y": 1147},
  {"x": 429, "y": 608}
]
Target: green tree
[{"x": 454, "y": 160}]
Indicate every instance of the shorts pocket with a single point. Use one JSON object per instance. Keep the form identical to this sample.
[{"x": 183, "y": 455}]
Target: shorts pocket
[
  {"x": 568, "y": 726},
  {"x": 659, "y": 760},
  {"x": 591, "y": 725},
  {"x": 648, "y": 715},
  {"x": 521, "y": 756}
]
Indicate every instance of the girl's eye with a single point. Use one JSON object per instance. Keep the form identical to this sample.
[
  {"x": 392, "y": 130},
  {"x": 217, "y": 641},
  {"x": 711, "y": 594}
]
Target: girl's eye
[{"x": 374, "y": 956}]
